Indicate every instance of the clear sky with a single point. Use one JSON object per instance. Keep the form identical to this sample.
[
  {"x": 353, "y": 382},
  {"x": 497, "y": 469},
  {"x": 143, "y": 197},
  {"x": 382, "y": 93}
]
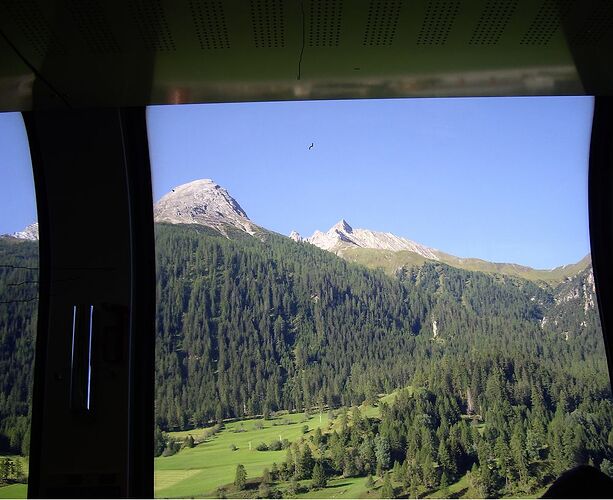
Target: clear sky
[
  {"x": 500, "y": 179},
  {"x": 17, "y": 199}
]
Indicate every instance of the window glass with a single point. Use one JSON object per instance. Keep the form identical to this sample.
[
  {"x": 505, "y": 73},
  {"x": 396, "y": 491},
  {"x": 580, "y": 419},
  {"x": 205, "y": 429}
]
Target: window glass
[
  {"x": 18, "y": 303},
  {"x": 375, "y": 298}
]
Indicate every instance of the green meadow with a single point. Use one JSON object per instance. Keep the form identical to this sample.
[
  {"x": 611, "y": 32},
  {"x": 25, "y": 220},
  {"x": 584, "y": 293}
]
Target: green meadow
[
  {"x": 199, "y": 471},
  {"x": 14, "y": 491}
]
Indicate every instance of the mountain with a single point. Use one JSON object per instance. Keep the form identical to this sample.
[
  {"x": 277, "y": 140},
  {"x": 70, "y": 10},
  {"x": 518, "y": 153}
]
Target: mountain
[
  {"x": 247, "y": 326},
  {"x": 28, "y": 233},
  {"x": 391, "y": 253},
  {"x": 342, "y": 236},
  {"x": 295, "y": 236},
  {"x": 206, "y": 203}
]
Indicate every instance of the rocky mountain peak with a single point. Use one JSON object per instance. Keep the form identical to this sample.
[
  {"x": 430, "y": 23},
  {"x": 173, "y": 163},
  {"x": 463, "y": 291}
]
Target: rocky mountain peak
[
  {"x": 295, "y": 235},
  {"x": 342, "y": 237},
  {"x": 342, "y": 226},
  {"x": 28, "y": 233},
  {"x": 202, "y": 202}
]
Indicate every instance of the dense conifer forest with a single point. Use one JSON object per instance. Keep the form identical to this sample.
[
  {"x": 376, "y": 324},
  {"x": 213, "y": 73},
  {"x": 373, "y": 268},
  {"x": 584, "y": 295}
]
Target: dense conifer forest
[{"x": 507, "y": 379}]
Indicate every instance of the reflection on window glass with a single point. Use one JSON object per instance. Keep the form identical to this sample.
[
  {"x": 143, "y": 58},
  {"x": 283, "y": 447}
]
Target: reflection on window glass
[
  {"x": 372, "y": 299},
  {"x": 18, "y": 303}
]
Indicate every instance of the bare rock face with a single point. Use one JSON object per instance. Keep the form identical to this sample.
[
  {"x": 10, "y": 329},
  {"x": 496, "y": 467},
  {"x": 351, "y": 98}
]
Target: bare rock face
[
  {"x": 203, "y": 202},
  {"x": 28, "y": 233},
  {"x": 342, "y": 236},
  {"x": 294, "y": 235}
]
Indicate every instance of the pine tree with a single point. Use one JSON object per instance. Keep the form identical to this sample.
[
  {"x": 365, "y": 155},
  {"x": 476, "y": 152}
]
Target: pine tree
[
  {"x": 319, "y": 476},
  {"x": 429, "y": 473},
  {"x": 382, "y": 452},
  {"x": 444, "y": 486},
  {"x": 397, "y": 472},
  {"x": 606, "y": 466},
  {"x": 387, "y": 490},
  {"x": 304, "y": 466},
  {"x": 240, "y": 478}
]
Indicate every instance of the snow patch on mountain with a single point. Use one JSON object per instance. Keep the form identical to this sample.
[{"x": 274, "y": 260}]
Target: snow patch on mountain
[
  {"x": 203, "y": 202},
  {"x": 342, "y": 236},
  {"x": 28, "y": 233}
]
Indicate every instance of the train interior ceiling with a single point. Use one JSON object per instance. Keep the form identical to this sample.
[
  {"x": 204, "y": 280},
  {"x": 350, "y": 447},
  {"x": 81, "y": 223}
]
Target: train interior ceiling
[{"x": 82, "y": 74}]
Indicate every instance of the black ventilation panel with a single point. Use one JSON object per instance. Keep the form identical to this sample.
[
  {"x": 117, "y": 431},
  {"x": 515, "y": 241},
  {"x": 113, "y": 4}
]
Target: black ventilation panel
[
  {"x": 268, "y": 23},
  {"x": 94, "y": 27},
  {"x": 28, "y": 18},
  {"x": 152, "y": 25},
  {"x": 382, "y": 23},
  {"x": 492, "y": 22},
  {"x": 210, "y": 23},
  {"x": 439, "y": 19},
  {"x": 596, "y": 27},
  {"x": 547, "y": 21},
  {"x": 324, "y": 23}
]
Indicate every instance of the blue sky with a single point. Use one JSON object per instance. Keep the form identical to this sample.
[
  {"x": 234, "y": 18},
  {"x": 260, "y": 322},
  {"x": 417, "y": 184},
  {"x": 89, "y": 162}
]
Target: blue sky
[{"x": 500, "y": 179}]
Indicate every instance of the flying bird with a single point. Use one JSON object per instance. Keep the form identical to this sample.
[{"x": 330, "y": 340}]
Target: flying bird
[{"x": 311, "y": 146}]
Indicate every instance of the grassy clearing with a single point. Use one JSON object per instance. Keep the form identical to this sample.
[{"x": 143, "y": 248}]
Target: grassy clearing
[
  {"x": 18, "y": 490},
  {"x": 340, "y": 488},
  {"x": 200, "y": 470},
  {"x": 14, "y": 491},
  {"x": 455, "y": 490}
]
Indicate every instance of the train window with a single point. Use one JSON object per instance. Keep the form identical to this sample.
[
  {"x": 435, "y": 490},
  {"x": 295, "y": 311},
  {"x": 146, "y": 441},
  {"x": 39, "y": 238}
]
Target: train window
[
  {"x": 441, "y": 339},
  {"x": 18, "y": 303}
]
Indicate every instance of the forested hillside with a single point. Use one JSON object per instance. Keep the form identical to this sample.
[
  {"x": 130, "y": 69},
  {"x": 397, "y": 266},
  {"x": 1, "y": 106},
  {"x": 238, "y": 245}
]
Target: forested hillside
[
  {"x": 246, "y": 326},
  {"x": 18, "y": 313},
  {"x": 251, "y": 326}
]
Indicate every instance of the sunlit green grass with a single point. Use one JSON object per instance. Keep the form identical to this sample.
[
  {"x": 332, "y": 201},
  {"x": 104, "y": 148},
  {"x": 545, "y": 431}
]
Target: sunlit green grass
[
  {"x": 14, "y": 491},
  {"x": 200, "y": 470},
  {"x": 353, "y": 487}
]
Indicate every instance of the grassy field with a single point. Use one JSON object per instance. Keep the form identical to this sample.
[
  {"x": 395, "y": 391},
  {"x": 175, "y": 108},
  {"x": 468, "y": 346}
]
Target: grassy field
[
  {"x": 14, "y": 491},
  {"x": 353, "y": 487},
  {"x": 200, "y": 470}
]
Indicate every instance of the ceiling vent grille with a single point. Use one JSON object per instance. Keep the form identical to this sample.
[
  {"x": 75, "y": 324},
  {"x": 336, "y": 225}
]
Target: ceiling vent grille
[
  {"x": 440, "y": 16},
  {"x": 210, "y": 23},
  {"x": 547, "y": 22},
  {"x": 29, "y": 20},
  {"x": 596, "y": 27},
  {"x": 94, "y": 27},
  {"x": 268, "y": 23},
  {"x": 382, "y": 22},
  {"x": 324, "y": 23},
  {"x": 152, "y": 25},
  {"x": 493, "y": 22}
]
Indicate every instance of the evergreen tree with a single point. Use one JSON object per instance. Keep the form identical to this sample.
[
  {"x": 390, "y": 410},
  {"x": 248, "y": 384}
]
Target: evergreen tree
[
  {"x": 444, "y": 486},
  {"x": 606, "y": 466},
  {"x": 319, "y": 476},
  {"x": 382, "y": 452},
  {"x": 240, "y": 478},
  {"x": 304, "y": 466},
  {"x": 387, "y": 490}
]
